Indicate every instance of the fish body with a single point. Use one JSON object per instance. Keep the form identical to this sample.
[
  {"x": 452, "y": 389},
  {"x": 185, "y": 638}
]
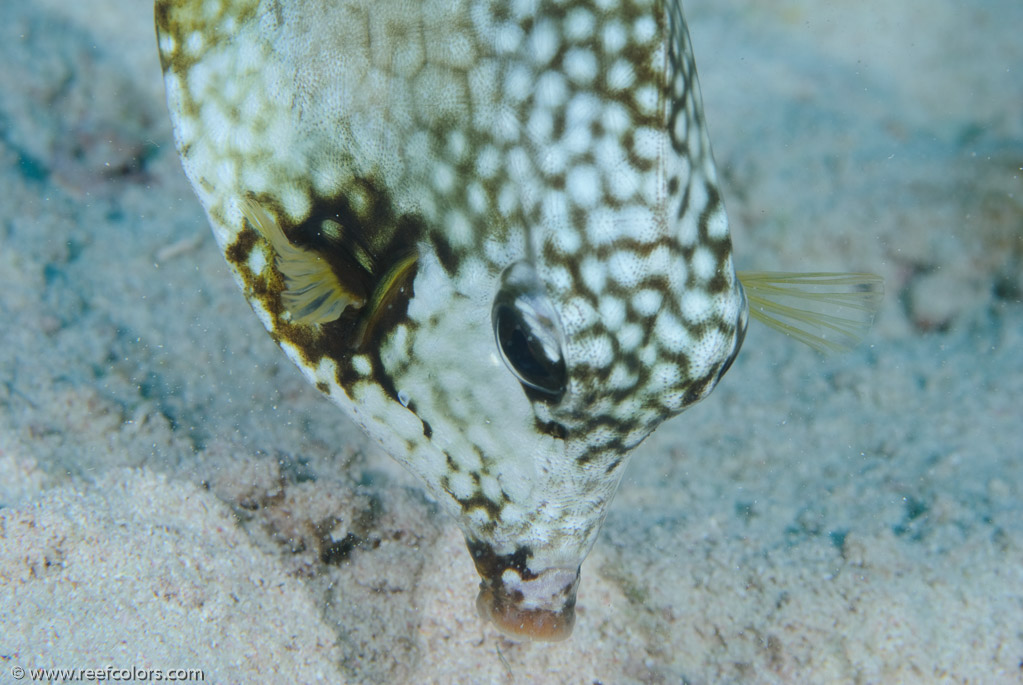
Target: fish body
[{"x": 490, "y": 231}]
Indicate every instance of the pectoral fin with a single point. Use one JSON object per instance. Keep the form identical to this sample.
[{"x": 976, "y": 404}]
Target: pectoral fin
[
  {"x": 830, "y": 312},
  {"x": 312, "y": 292}
]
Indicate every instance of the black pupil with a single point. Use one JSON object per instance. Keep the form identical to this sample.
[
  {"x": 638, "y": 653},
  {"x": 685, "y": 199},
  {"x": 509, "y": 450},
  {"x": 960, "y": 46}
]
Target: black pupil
[{"x": 526, "y": 354}]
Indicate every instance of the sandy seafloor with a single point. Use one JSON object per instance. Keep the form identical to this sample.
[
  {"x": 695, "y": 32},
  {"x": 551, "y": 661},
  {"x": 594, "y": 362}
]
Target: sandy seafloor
[{"x": 174, "y": 495}]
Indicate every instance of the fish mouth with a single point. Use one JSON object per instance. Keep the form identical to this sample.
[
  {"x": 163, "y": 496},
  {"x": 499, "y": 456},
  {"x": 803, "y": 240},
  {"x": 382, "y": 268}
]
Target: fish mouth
[{"x": 540, "y": 608}]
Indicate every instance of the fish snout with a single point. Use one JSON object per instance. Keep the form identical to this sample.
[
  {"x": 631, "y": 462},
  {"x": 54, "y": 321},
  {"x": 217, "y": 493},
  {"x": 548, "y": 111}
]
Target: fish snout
[
  {"x": 525, "y": 603},
  {"x": 540, "y": 608}
]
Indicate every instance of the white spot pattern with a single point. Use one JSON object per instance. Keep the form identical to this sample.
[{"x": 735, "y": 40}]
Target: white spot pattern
[{"x": 477, "y": 133}]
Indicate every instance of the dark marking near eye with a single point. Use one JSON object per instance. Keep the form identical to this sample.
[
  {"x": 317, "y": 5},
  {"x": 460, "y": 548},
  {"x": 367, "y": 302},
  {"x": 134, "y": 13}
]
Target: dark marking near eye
[
  {"x": 445, "y": 253},
  {"x": 552, "y": 428},
  {"x": 614, "y": 446}
]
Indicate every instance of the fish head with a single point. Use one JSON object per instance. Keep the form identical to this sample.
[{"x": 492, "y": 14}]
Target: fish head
[{"x": 491, "y": 232}]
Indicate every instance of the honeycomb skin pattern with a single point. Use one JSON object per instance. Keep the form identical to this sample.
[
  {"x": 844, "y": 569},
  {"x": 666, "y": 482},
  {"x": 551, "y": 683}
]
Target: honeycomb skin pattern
[{"x": 475, "y": 134}]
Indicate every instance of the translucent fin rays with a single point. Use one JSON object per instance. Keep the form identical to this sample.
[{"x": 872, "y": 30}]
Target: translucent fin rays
[
  {"x": 312, "y": 292},
  {"x": 830, "y": 312}
]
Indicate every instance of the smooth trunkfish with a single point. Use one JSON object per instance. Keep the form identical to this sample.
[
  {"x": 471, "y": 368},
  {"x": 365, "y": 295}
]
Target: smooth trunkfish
[{"x": 491, "y": 232}]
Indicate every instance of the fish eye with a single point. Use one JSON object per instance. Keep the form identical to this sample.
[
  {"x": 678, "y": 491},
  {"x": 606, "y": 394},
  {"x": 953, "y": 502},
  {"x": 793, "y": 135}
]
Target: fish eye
[
  {"x": 527, "y": 350},
  {"x": 528, "y": 333}
]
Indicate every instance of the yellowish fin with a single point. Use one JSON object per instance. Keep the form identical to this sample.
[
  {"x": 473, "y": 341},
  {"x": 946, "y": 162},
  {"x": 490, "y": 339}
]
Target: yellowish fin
[
  {"x": 830, "y": 312},
  {"x": 387, "y": 288},
  {"x": 312, "y": 292}
]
